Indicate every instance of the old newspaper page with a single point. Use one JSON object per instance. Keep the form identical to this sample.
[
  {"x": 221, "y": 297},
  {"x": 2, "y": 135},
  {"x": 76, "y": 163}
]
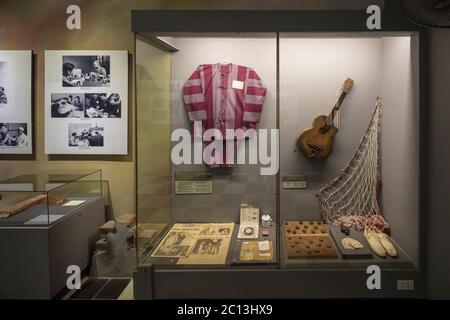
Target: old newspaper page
[{"x": 196, "y": 243}]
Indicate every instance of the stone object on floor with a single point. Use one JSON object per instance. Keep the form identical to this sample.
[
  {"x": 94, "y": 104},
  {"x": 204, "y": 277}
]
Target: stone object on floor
[
  {"x": 101, "y": 244},
  {"x": 107, "y": 227},
  {"x": 119, "y": 260}
]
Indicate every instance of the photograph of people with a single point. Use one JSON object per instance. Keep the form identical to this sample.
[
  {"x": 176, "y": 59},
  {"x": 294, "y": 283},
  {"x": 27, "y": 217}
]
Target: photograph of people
[
  {"x": 93, "y": 100},
  {"x": 21, "y": 139},
  {"x": 5, "y": 138},
  {"x": 13, "y": 135},
  {"x": 67, "y": 105},
  {"x": 86, "y": 71},
  {"x": 95, "y": 139},
  {"x": 100, "y": 105},
  {"x": 113, "y": 106},
  {"x": 173, "y": 245},
  {"x": 3, "y": 82},
  {"x": 3, "y": 97},
  {"x": 100, "y": 72},
  {"x": 95, "y": 105},
  {"x": 85, "y": 135},
  {"x": 78, "y": 102},
  {"x": 208, "y": 247},
  {"x": 70, "y": 77}
]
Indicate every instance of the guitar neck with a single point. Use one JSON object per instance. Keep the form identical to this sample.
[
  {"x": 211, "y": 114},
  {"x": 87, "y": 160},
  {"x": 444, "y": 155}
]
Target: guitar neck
[
  {"x": 337, "y": 105},
  {"x": 340, "y": 100}
]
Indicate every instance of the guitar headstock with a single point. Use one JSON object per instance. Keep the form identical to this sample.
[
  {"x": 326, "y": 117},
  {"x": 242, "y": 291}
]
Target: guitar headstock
[{"x": 348, "y": 85}]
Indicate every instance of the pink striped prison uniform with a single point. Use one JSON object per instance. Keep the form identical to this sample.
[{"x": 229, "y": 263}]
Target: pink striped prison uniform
[{"x": 224, "y": 96}]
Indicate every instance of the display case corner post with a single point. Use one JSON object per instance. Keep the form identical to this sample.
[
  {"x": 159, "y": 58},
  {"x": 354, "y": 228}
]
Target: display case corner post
[
  {"x": 143, "y": 283},
  {"x": 101, "y": 184},
  {"x": 424, "y": 127}
]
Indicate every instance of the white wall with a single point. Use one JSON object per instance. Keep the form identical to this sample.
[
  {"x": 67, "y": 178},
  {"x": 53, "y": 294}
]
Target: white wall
[{"x": 400, "y": 143}]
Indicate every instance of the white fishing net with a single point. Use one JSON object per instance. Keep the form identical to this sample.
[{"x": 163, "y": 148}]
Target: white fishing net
[{"x": 350, "y": 200}]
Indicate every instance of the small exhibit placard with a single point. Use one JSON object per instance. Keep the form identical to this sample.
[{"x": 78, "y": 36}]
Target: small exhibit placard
[
  {"x": 193, "y": 183},
  {"x": 295, "y": 182}
]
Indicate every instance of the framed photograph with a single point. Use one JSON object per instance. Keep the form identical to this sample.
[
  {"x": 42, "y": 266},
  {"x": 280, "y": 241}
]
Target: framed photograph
[
  {"x": 67, "y": 105},
  {"x": 85, "y": 135},
  {"x": 16, "y": 102},
  {"x": 86, "y": 71},
  {"x": 86, "y": 101},
  {"x": 13, "y": 135},
  {"x": 103, "y": 105}
]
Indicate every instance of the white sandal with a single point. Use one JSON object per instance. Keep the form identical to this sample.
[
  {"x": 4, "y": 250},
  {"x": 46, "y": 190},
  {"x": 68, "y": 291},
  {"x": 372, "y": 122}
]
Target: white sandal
[
  {"x": 387, "y": 244},
  {"x": 374, "y": 242}
]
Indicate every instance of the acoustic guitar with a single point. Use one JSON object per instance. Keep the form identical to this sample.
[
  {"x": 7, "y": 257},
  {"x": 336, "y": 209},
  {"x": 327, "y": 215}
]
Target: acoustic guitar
[{"x": 317, "y": 141}]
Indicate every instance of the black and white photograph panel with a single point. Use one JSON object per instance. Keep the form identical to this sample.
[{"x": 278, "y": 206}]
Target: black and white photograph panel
[
  {"x": 86, "y": 86},
  {"x": 85, "y": 135},
  {"x": 102, "y": 105},
  {"x": 16, "y": 132},
  {"x": 3, "y": 93},
  {"x": 86, "y": 71},
  {"x": 13, "y": 135},
  {"x": 67, "y": 105}
]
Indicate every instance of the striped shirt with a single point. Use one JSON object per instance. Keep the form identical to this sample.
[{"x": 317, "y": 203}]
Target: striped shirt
[{"x": 224, "y": 96}]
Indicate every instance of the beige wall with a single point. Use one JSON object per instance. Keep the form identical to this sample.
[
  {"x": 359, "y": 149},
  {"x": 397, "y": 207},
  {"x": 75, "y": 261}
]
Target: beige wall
[{"x": 40, "y": 25}]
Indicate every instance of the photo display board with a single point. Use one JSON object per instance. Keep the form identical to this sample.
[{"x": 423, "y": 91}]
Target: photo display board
[
  {"x": 86, "y": 102},
  {"x": 16, "y": 134}
]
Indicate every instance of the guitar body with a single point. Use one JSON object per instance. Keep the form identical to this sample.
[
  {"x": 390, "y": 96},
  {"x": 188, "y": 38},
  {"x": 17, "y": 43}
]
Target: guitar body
[{"x": 316, "y": 142}]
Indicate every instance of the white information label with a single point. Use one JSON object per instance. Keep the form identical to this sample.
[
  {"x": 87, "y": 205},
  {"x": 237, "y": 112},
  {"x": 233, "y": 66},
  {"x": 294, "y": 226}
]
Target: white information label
[
  {"x": 73, "y": 203},
  {"x": 237, "y": 84}
]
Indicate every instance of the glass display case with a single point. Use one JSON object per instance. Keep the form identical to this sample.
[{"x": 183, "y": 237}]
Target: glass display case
[
  {"x": 334, "y": 186},
  {"x": 44, "y": 198},
  {"x": 52, "y": 217},
  {"x": 209, "y": 207},
  {"x": 374, "y": 152}
]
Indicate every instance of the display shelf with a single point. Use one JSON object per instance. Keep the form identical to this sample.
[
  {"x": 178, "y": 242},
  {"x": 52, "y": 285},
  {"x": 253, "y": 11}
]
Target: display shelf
[
  {"x": 402, "y": 262},
  {"x": 232, "y": 258}
]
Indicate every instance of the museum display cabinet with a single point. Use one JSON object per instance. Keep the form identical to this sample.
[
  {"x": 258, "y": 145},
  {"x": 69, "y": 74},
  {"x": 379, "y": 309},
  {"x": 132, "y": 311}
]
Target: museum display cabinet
[
  {"x": 297, "y": 218},
  {"x": 43, "y": 198},
  {"x": 49, "y": 217}
]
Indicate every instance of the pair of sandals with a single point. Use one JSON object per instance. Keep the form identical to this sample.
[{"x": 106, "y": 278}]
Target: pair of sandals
[{"x": 380, "y": 243}]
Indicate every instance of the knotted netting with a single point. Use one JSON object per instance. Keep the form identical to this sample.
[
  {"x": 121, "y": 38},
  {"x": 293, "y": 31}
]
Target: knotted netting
[{"x": 350, "y": 200}]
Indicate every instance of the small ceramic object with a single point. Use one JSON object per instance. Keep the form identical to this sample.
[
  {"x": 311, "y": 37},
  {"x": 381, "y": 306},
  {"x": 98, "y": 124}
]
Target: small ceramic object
[{"x": 265, "y": 220}]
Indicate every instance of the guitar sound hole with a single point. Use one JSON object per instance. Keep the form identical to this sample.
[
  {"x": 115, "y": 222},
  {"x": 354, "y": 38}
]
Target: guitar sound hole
[{"x": 323, "y": 130}]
